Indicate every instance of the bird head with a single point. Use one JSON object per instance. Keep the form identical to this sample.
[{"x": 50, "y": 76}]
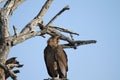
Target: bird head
[{"x": 53, "y": 41}]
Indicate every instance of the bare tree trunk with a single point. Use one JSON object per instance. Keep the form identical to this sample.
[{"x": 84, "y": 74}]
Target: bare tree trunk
[
  {"x": 3, "y": 57},
  {"x": 5, "y": 44}
]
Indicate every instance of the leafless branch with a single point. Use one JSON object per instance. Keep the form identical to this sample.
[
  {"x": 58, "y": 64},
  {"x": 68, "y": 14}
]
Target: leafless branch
[
  {"x": 28, "y": 30},
  {"x": 11, "y": 5},
  {"x": 53, "y": 32},
  {"x": 63, "y": 30},
  {"x": 8, "y": 71},
  {"x": 9, "y": 65},
  {"x": 15, "y": 31},
  {"x": 22, "y": 37},
  {"x": 5, "y": 12},
  {"x": 44, "y": 9},
  {"x": 47, "y": 25},
  {"x": 38, "y": 19},
  {"x": 61, "y": 11},
  {"x": 78, "y": 43}
]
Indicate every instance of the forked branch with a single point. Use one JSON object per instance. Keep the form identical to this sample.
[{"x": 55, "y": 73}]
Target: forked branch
[
  {"x": 38, "y": 19},
  {"x": 29, "y": 32}
]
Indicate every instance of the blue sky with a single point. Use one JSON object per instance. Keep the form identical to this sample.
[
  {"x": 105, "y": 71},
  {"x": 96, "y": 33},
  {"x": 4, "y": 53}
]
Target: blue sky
[{"x": 92, "y": 19}]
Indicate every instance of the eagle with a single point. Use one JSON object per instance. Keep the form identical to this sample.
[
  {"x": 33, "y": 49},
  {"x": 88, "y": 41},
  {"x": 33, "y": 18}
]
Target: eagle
[{"x": 55, "y": 59}]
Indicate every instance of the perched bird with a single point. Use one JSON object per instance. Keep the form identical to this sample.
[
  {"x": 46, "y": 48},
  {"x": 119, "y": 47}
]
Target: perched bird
[{"x": 55, "y": 59}]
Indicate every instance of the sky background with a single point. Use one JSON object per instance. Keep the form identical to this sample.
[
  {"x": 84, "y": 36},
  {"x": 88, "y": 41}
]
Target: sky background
[{"x": 92, "y": 19}]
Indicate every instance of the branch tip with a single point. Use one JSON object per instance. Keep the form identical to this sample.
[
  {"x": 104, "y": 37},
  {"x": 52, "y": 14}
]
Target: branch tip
[{"x": 67, "y": 7}]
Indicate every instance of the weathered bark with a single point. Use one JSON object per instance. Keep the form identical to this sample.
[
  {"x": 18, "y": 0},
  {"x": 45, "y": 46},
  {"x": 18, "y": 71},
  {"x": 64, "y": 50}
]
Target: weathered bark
[
  {"x": 10, "y": 64},
  {"x": 5, "y": 42}
]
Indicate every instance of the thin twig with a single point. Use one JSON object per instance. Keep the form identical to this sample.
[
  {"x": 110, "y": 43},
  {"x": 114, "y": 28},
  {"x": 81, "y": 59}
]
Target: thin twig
[
  {"x": 15, "y": 31},
  {"x": 61, "y": 11},
  {"x": 63, "y": 30}
]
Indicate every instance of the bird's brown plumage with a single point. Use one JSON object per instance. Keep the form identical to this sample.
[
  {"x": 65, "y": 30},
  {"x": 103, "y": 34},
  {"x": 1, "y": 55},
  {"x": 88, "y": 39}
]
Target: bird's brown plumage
[{"x": 55, "y": 59}]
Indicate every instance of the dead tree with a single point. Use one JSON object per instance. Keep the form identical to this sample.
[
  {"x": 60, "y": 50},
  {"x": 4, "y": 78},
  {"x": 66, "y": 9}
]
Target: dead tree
[{"x": 7, "y": 41}]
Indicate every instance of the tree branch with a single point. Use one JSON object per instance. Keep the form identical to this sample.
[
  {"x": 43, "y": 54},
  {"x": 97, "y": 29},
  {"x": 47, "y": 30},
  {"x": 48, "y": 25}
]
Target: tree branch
[
  {"x": 38, "y": 19},
  {"x": 44, "y": 9},
  {"x": 53, "y": 32},
  {"x": 11, "y": 5},
  {"x": 9, "y": 72},
  {"x": 16, "y": 33},
  {"x": 28, "y": 31},
  {"x": 45, "y": 28},
  {"x": 9, "y": 65},
  {"x": 60, "y": 12},
  {"x": 78, "y": 43},
  {"x": 22, "y": 37},
  {"x": 63, "y": 30},
  {"x": 5, "y": 12}
]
